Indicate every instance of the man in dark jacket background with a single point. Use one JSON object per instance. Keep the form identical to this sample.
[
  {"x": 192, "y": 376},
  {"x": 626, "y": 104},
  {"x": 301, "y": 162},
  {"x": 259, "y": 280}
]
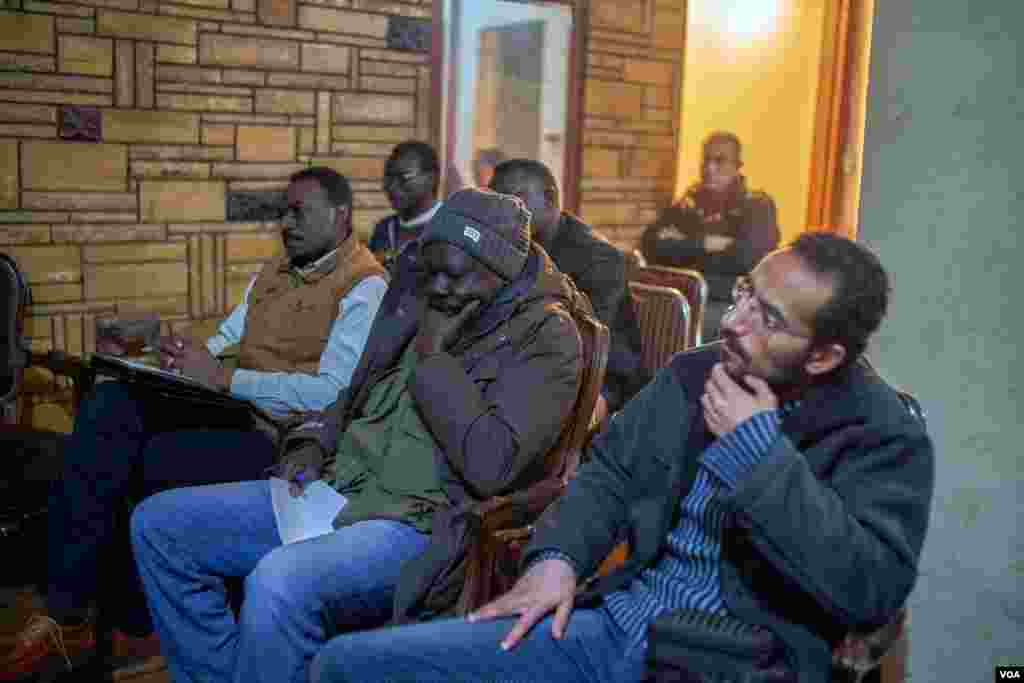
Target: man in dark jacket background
[
  {"x": 720, "y": 227},
  {"x": 470, "y": 371},
  {"x": 596, "y": 266},
  {"x": 773, "y": 489},
  {"x": 411, "y": 177}
]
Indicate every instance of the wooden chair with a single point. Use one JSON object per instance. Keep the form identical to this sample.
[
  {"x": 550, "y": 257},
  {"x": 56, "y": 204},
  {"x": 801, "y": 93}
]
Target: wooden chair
[
  {"x": 635, "y": 261},
  {"x": 15, "y": 354},
  {"x": 692, "y": 285},
  {"x": 492, "y": 558},
  {"x": 665, "y": 322},
  {"x": 32, "y": 457}
]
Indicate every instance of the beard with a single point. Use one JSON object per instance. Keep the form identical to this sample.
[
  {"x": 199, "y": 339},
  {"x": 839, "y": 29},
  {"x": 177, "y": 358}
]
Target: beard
[{"x": 782, "y": 372}]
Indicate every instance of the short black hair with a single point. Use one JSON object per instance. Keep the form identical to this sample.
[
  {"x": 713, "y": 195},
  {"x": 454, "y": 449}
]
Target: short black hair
[
  {"x": 424, "y": 153},
  {"x": 339, "y": 192},
  {"x": 860, "y": 290},
  {"x": 533, "y": 169},
  {"x": 724, "y": 136}
]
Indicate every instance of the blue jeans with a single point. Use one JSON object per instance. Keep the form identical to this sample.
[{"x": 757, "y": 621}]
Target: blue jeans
[
  {"x": 593, "y": 650},
  {"x": 296, "y": 596},
  {"x": 126, "y": 445}
]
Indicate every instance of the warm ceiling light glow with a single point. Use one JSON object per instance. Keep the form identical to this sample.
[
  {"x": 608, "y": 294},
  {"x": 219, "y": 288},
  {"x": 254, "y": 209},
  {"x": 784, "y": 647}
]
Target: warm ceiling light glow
[{"x": 751, "y": 18}]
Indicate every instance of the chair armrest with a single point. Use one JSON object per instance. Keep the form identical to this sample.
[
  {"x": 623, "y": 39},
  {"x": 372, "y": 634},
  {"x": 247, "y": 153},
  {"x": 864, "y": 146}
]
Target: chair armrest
[
  {"x": 499, "y": 528},
  {"x": 520, "y": 509}
]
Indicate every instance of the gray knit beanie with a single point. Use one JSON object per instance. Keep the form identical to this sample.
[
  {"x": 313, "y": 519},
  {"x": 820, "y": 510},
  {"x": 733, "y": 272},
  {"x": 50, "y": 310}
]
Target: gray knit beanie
[{"x": 493, "y": 228}]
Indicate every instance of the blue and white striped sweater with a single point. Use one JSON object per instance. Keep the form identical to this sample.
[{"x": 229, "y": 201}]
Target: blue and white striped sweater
[{"x": 687, "y": 576}]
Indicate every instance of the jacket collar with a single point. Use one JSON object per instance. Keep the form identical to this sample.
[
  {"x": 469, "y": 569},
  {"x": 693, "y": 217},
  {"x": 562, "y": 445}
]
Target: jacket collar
[
  {"x": 323, "y": 266},
  {"x": 838, "y": 400}
]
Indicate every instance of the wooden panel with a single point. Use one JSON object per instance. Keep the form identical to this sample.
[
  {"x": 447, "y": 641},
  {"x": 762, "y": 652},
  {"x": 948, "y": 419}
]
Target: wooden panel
[
  {"x": 8, "y": 174},
  {"x": 74, "y": 166},
  {"x": 26, "y": 32},
  {"x": 134, "y": 253},
  {"x": 183, "y": 201},
  {"x": 252, "y": 247},
  {"x": 140, "y": 280},
  {"x": 52, "y": 265}
]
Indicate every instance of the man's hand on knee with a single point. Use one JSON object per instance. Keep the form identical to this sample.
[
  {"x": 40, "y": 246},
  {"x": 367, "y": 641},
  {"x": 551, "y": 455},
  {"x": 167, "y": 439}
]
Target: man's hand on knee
[{"x": 547, "y": 586}]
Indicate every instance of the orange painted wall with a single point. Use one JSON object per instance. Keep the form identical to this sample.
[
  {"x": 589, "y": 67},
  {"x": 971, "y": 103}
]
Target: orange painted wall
[{"x": 751, "y": 66}]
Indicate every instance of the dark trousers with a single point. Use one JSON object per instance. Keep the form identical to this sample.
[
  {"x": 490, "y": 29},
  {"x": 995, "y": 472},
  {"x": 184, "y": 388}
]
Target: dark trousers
[{"x": 126, "y": 445}]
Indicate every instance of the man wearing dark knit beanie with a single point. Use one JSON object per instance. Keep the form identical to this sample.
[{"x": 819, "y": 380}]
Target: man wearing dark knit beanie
[
  {"x": 470, "y": 371},
  {"x": 492, "y": 228}
]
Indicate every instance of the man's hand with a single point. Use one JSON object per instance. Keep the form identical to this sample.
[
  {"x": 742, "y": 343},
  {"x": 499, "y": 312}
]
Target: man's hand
[
  {"x": 546, "y": 586},
  {"x": 727, "y": 404},
  {"x": 302, "y": 466},
  {"x": 110, "y": 346},
  {"x": 193, "y": 361},
  {"x": 439, "y": 331}
]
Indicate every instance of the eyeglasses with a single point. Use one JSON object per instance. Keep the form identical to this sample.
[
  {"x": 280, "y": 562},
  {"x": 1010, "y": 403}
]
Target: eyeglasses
[
  {"x": 764, "y": 316},
  {"x": 720, "y": 159},
  {"x": 301, "y": 214}
]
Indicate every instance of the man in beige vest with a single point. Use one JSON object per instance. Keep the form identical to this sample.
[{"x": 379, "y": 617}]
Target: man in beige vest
[{"x": 299, "y": 332}]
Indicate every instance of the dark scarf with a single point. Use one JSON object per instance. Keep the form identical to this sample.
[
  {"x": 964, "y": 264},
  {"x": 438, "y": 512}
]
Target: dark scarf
[{"x": 716, "y": 206}]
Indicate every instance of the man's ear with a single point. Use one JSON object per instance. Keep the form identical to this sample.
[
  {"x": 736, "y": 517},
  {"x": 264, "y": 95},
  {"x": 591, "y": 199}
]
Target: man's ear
[
  {"x": 343, "y": 221},
  {"x": 824, "y": 359}
]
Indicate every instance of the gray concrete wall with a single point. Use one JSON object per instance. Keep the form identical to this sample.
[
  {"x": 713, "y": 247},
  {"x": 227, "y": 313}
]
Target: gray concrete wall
[{"x": 943, "y": 202}]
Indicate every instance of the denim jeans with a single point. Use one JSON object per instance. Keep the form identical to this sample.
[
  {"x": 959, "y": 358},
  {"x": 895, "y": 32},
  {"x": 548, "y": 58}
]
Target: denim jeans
[
  {"x": 187, "y": 541},
  {"x": 127, "y": 444},
  {"x": 593, "y": 650}
]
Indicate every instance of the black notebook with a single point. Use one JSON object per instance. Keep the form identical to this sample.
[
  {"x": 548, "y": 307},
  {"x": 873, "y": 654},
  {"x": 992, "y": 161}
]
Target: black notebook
[{"x": 232, "y": 411}]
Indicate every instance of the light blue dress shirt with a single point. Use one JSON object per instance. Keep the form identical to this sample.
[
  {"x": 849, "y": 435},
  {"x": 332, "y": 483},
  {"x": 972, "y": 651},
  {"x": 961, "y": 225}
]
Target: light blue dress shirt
[{"x": 283, "y": 392}]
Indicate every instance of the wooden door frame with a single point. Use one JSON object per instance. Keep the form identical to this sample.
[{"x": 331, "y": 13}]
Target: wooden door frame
[
  {"x": 573, "y": 156},
  {"x": 845, "y": 37}
]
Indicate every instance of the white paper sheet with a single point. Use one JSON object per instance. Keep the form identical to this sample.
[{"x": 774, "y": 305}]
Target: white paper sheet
[{"x": 307, "y": 516}]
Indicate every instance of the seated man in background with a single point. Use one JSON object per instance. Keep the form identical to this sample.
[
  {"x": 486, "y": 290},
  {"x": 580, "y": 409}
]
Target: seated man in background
[
  {"x": 411, "y": 177},
  {"x": 594, "y": 264},
  {"x": 471, "y": 369},
  {"x": 774, "y": 491},
  {"x": 300, "y": 331},
  {"x": 719, "y": 228}
]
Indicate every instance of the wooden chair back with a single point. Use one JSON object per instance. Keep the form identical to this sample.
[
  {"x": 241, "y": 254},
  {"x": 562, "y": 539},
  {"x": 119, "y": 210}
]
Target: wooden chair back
[
  {"x": 635, "y": 261},
  {"x": 664, "y": 317},
  {"x": 14, "y": 354},
  {"x": 491, "y": 560},
  {"x": 595, "y": 339},
  {"x": 692, "y": 285}
]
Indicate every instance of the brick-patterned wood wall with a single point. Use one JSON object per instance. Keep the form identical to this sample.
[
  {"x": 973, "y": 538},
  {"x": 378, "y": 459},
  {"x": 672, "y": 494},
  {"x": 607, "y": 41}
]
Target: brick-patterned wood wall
[
  {"x": 631, "y": 114},
  {"x": 199, "y": 99}
]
